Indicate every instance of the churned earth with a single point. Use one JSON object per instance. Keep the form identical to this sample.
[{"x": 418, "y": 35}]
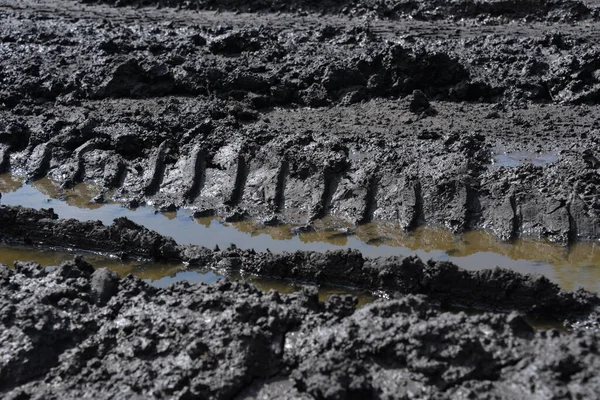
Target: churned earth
[
  {"x": 78, "y": 332},
  {"x": 295, "y": 116},
  {"x": 74, "y": 330},
  {"x": 470, "y": 114}
]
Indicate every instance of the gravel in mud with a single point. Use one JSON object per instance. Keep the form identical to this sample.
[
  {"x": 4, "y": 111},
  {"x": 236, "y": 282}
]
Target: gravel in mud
[{"x": 76, "y": 331}]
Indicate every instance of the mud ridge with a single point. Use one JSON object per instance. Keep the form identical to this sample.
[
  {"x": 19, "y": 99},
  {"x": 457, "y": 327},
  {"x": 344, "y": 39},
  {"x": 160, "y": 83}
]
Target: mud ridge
[
  {"x": 421, "y": 10},
  {"x": 483, "y": 113},
  {"x": 441, "y": 281}
]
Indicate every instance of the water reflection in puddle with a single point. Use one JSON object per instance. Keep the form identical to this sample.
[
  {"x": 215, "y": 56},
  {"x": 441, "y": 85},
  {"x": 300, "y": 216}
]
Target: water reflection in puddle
[
  {"x": 516, "y": 158},
  {"x": 571, "y": 267},
  {"x": 162, "y": 274}
]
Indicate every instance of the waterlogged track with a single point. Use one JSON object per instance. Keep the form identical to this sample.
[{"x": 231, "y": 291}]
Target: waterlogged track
[
  {"x": 442, "y": 281},
  {"x": 296, "y": 117},
  {"x": 369, "y": 125},
  {"x": 164, "y": 274},
  {"x": 570, "y": 267}
]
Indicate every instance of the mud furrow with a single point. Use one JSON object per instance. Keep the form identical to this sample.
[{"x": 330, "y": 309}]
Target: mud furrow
[
  {"x": 370, "y": 200},
  {"x": 442, "y": 281},
  {"x": 156, "y": 172},
  {"x": 4, "y": 159},
  {"x": 279, "y": 198},
  {"x": 241, "y": 173},
  {"x": 197, "y": 167},
  {"x": 331, "y": 181}
]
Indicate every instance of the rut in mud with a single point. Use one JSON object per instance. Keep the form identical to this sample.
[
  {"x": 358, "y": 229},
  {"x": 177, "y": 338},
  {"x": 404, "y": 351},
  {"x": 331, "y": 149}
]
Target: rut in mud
[
  {"x": 464, "y": 114},
  {"x": 299, "y": 117},
  {"x": 444, "y": 282}
]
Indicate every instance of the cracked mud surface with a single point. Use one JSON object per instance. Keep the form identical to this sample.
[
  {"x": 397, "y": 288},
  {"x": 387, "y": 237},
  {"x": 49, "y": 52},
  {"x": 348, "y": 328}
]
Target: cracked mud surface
[{"x": 465, "y": 114}]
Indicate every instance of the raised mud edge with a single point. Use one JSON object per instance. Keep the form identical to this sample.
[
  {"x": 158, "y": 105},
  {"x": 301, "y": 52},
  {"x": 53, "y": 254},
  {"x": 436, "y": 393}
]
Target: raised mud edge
[{"x": 443, "y": 282}]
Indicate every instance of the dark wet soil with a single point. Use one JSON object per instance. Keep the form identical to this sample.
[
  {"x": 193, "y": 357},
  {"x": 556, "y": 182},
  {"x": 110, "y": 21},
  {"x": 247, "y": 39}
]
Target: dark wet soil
[
  {"x": 577, "y": 265},
  {"x": 443, "y": 281},
  {"x": 293, "y": 117},
  {"x": 90, "y": 332},
  {"x": 163, "y": 274},
  {"x": 351, "y": 122}
]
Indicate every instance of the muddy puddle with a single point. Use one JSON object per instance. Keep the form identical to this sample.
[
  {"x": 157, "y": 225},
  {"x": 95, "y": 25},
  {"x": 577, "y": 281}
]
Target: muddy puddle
[
  {"x": 161, "y": 274},
  {"x": 512, "y": 159},
  {"x": 569, "y": 266}
]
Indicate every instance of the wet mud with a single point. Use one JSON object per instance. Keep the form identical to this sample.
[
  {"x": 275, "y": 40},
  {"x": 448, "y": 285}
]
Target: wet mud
[
  {"x": 89, "y": 331},
  {"x": 293, "y": 117},
  {"x": 443, "y": 281},
  {"x": 464, "y": 115},
  {"x": 573, "y": 266}
]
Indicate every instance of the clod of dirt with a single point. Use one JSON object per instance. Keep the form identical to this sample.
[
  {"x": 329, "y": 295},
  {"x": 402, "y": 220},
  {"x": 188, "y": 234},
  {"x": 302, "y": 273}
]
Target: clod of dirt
[
  {"x": 590, "y": 159},
  {"x": 419, "y": 102},
  {"x": 104, "y": 284}
]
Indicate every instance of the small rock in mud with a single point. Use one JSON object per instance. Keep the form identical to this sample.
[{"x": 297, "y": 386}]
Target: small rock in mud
[
  {"x": 98, "y": 199},
  {"x": 104, "y": 284},
  {"x": 236, "y": 216},
  {"x": 342, "y": 232},
  {"x": 419, "y": 102},
  {"x": 133, "y": 204},
  {"x": 303, "y": 229},
  {"x": 429, "y": 135},
  {"x": 271, "y": 221},
  {"x": 591, "y": 159},
  {"x": 166, "y": 208}
]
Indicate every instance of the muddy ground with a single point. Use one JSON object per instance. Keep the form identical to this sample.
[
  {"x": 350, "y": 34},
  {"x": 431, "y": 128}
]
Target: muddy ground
[
  {"x": 443, "y": 282},
  {"x": 75, "y": 330},
  {"x": 464, "y": 114},
  {"x": 295, "y": 116}
]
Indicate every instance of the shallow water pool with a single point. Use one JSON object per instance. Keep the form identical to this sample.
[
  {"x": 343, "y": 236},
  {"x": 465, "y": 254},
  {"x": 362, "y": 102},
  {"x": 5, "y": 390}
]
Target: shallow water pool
[{"x": 571, "y": 267}]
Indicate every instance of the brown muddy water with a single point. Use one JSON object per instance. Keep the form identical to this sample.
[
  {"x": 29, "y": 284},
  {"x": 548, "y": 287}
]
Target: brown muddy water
[{"x": 569, "y": 266}]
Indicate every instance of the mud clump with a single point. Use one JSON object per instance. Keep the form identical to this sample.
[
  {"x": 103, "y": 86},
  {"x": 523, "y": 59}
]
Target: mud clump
[
  {"x": 228, "y": 339},
  {"x": 123, "y": 237}
]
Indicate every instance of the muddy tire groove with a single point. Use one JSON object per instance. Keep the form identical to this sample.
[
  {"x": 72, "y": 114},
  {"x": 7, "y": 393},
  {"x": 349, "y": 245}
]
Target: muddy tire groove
[
  {"x": 282, "y": 175},
  {"x": 157, "y": 170}
]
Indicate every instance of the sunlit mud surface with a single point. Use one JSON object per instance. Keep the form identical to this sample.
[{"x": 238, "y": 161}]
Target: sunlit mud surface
[{"x": 571, "y": 267}]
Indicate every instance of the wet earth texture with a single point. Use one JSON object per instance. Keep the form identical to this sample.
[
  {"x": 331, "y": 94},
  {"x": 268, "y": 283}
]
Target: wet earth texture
[
  {"x": 476, "y": 115},
  {"x": 87, "y": 331},
  {"x": 463, "y": 115}
]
